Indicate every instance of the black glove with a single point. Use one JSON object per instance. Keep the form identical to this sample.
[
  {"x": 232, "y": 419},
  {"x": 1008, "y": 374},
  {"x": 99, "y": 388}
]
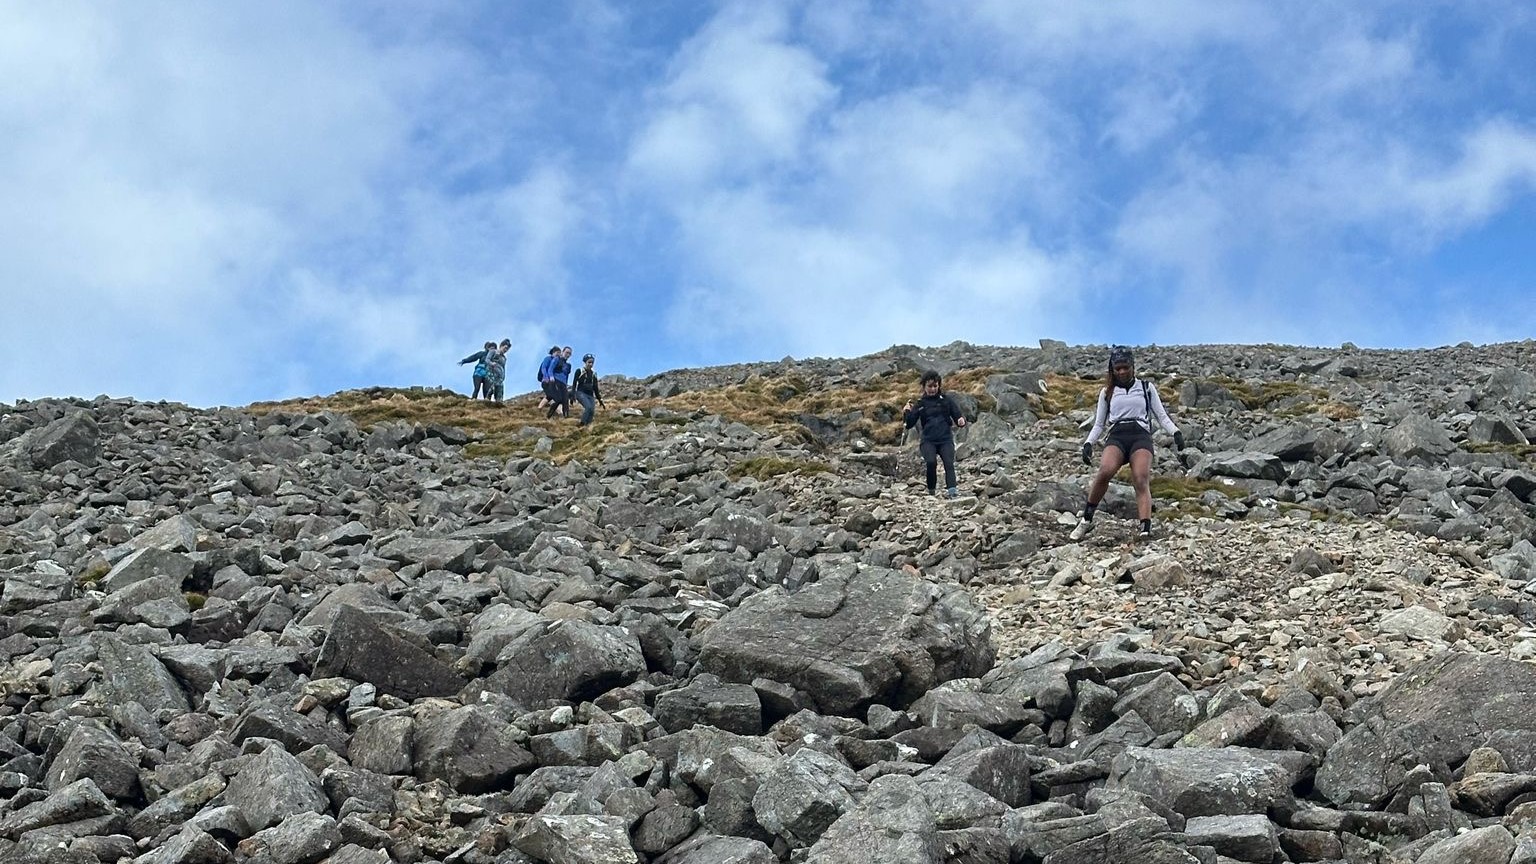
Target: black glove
[
  {"x": 1183, "y": 458},
  {"x": 1087, "y": 454},
  {"x": 1178, "y": 441}
]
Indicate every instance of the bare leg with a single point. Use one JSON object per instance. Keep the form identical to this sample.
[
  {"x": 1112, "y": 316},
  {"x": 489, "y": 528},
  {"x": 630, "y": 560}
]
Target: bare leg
[
  {"x": 1141, "y": 478},
  {"x": 1109, "y": 463}
]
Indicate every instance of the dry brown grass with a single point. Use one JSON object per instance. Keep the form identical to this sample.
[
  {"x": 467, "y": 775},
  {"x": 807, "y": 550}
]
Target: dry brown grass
[{"x": 771, "y": 404}]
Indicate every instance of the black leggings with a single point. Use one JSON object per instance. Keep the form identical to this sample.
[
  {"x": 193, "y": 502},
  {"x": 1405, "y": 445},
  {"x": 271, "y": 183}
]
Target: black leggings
[
  {"x": 931, "y": 454},
  {"x": 480, "y": 384},
  {"x": 559, "y": 399}
]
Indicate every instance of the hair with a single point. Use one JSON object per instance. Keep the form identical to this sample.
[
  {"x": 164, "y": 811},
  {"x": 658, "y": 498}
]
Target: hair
[
  {"x": 567, "y": 348},
  {"x": 1109, "y": 379},
  {"x": 506, "y": 343},
  {"x": 934, "y": 376},
  {"x": 490, "y": 344},
  {"x": 555, "y": 350}
]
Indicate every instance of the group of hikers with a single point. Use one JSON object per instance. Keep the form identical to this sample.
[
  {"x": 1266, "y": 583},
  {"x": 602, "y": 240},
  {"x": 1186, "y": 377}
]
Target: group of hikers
[
  {"x": 490, "y": 375},
  {"x": 1123, "y": 418}
]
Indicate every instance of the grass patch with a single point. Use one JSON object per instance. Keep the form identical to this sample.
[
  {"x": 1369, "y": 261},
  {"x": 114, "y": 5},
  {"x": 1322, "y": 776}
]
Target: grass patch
[
  {"x": 1187, "y": 488},
  {"x": 771, "y": 404},
  {"x": 195, "y": 600},
  {"x": 764, "y": 467},
  {"x": 1065, "y": 393},
  {"x": 1521, "y": 451},
  {"x": 91, "y": 575}
]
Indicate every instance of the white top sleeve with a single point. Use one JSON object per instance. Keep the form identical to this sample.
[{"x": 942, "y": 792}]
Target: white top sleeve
[
  {"x": 1161, "y": 412},
  {"x": 1099, "y": 415}
]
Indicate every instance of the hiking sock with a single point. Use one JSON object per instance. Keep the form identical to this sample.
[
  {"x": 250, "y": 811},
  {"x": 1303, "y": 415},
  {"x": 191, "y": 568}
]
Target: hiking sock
[
  {"x": 1088, "y": 510},
  {"x": 1146, "y": 526}
]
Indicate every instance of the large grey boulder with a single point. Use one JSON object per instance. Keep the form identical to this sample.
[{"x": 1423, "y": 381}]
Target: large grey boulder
[
  {"x": 359, "y": 648},
  {"x": 1435, "y": 713},
  {"x": 132, "y": 673},
  {"x": 566, "y": 661},
  {"x": 1492, "y": 844},
  {"x": 71, "y": 438},
  {"x": 892, "y": 822},
  {"x": 1292, "y": 442},
  {"x": 732, "y": 707},
  {"x": 1243, "y": 464},
  {"x": 858, "y": 636},
  {"x": 90, "y": 750},
  {"x": 1417, "y": 439},
  {"x": 75, "y": 802},
  {"x": 273, "y": 786},
  {"x": 576, "y": 839},
  {"x": 470, "y": 749},
  {"x": 1199, "y": 781},
  {"x": 717, "y": 849},
  {"x": 147, "y": 563},
  {"x": 804, "y": 795}
]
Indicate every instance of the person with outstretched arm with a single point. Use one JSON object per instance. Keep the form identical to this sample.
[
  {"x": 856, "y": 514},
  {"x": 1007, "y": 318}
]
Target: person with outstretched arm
[
  {"x": 936, "y": 415},
  {"x": 478, "y": 358},
  {"x": 1127, "y": 406}
]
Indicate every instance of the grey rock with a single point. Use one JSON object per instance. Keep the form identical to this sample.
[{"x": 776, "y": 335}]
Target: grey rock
[
  {"x": 892, "y": 822},
  {"x": 576, "y": 840},
  {"x": 804, "y": 795},
  {"x": 1435, "y": 713},
  {"x": 1002, "y": 771},
  {"x": 732, "y": 707},
  {"x": 359, "y": 648},
  {"x": 1244, "y": 838},
  {"x": 273, "y": 786},
  {"x": 717, "y": 849},
  {"x": 567, "y": 661},
  {"x": 74, "y": 437},
  {"x": 1241, "y": 464},
  {"x": 79, "y": 800},
  {"x": 147, "y": 563},
  {"x": 1225, "y": 781},
  {"x": 89, "y": 750},
  {"x": 852, "y": 639},
  {"x": 302, "y": 838},
  {"x": 956, "y": 709},
  {"x": 1492, "y": 844},
  {"x": 1418, "y": 439},
  {"x": 470, "y": 749},
  {"x": 664, "y": 827}
]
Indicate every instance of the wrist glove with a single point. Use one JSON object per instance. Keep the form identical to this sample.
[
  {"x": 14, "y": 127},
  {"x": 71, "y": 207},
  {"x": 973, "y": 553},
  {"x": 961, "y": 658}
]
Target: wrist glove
[
  {"x": 1183, "y": 458},
  {"x": 1178, "y": 440},
  {"x": 1087, "y": 454}
]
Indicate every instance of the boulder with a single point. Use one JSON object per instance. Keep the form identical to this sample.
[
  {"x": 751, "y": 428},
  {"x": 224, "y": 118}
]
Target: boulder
[{"x": 858, "y": 636}]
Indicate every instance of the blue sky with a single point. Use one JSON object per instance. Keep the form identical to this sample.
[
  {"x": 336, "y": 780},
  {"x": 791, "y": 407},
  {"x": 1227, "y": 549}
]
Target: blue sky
[{"x": 221, "y": 203}]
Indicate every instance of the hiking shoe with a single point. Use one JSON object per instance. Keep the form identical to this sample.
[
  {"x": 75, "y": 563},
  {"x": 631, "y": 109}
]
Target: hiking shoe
[
  {"x": 1082, "y": 529},
  {"x": 952, "y": 493},
  {"x": 1144, "y": 534}
]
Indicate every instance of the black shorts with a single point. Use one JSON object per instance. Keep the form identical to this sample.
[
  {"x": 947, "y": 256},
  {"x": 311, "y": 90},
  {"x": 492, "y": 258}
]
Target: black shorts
[{"x": 1129, "y": 437}]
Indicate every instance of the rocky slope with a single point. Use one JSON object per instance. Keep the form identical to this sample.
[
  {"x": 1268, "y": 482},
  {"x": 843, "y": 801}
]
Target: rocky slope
[{"x": 713, "y": 632}]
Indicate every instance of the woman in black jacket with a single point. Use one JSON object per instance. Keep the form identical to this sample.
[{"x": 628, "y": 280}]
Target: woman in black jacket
[{"x": 937, "y": 414}]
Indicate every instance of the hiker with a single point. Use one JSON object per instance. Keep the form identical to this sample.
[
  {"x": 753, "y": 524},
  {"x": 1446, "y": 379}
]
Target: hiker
[
  {"x": 1126, "y": 407},
  {"x": 496, "y": 371},
  {"x": 937, "y": 414},
  {"x": 586, "y": 388},
  {"x": 478, "y": 358},
  {"x": 545, "y": 369},
  {"x": 559, "y": 376}
]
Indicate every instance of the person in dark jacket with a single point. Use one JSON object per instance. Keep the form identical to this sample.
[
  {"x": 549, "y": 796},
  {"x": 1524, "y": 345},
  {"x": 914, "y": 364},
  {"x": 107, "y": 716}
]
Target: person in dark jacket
[
  {"x": 496, "y": 371},
  {"x": 936, "y": 415},
  {"x": 545, "y": 370},
  {"x": 559, "y": 378},
  {"x": 586, "y": 388},
  {"x": 478, "y": 358}
]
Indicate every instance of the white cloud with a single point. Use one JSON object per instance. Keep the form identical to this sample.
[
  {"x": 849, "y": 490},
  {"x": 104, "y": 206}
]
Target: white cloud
[
  {"x": 197, "y": 191},
  {"x": 739, "y": 98}
]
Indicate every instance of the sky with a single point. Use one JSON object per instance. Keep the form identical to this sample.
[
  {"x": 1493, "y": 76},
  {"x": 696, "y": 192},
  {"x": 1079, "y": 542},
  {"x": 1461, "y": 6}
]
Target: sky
[{"x": 220, "y": 203}]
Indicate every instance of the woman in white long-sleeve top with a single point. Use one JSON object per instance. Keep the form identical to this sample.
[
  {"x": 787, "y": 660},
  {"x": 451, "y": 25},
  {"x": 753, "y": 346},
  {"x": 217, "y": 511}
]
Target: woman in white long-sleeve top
[{"x": 1126, "y": 408}]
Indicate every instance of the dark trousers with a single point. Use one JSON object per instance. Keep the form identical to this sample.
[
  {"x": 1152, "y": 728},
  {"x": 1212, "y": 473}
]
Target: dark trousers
[
  {"x": 588, "y": 406},
  {"x": 479, "y": 386},
  {"x": 559, "y": 398},
  {"x": 494, "y": 388},
  {"x": 932, "y": 453}
]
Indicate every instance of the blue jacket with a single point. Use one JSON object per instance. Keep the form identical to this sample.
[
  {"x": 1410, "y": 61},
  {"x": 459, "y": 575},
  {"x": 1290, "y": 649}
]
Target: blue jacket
[
  {"x": 546, "y": 367},
  {"x": 478, "y": 358},
  {"x": 561, "y": 371}
]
